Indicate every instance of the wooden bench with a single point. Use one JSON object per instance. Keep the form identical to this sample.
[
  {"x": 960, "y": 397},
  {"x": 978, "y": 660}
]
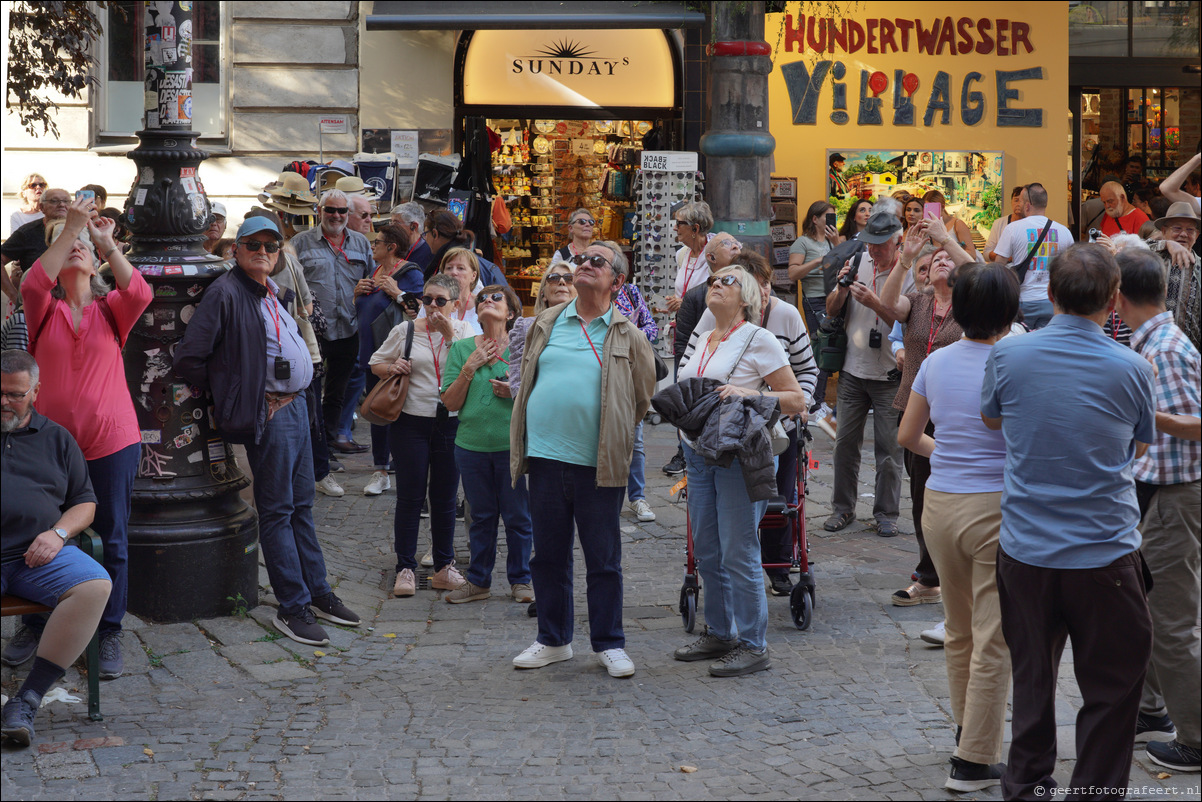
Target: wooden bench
[{"x": 89, "y": 541}]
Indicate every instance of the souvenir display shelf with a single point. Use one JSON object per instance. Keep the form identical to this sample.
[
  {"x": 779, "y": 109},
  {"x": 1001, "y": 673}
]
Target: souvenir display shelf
[
  {"x": 656, "y": 192},
  {"x": 545, "y": 170}
]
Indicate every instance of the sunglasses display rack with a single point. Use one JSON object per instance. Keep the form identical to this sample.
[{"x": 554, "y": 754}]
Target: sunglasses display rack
[
  {"x": 656, "y": 192},
  {"x": 545, "y": 170},
  {"x": 784, "y": 233}
]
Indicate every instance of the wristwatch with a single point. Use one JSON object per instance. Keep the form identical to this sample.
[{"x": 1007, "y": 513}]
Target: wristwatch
[{"x": 63, "y": 533}]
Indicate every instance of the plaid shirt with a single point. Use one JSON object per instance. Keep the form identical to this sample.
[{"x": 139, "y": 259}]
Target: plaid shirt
[{"x": 1170, "y": 460}]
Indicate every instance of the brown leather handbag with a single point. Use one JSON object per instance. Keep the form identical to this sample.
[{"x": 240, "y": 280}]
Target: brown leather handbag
[{"x": 384, "y": 403}]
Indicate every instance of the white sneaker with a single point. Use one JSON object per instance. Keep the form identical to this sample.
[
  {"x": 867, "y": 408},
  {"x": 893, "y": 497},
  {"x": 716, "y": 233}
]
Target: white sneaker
[
  {"x": 540, "y": 655},
  {"x": 936, "y": 635},
  {"x": 330, "y": 487},
  {"x": 616, "y": 662},
  {"x": 427, "y": 560},
  {"x": 378, "y": 484},
  {"x": 642, "y": 510}
]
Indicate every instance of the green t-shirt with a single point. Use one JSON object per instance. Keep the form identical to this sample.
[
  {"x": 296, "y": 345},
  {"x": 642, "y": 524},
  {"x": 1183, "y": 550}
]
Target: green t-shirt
[
  {"x": 484, "y": 418},
  {"x": 811, "y": 285}
]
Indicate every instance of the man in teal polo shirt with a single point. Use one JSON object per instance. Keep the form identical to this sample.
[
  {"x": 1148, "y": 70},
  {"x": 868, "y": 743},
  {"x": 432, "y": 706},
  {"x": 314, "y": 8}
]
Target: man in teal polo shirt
[
  {"x": 587, "y": 378},
  {"x": 1076, "y": 409}
]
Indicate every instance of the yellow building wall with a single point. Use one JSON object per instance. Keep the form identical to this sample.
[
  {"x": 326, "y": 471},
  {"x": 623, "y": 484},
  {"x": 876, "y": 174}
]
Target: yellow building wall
[{"x": 1030, "y": 153}]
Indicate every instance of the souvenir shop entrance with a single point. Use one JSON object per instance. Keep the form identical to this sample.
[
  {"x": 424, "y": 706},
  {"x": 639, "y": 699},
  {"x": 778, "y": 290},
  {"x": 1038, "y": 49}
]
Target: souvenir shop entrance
[{"x": 573, "y": 111}]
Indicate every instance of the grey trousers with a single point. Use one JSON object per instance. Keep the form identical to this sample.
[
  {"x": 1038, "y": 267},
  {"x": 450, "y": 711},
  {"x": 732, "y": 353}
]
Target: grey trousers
[
  {"x": 856, "y": 397},
  {"x": 1171, "y": 530}
]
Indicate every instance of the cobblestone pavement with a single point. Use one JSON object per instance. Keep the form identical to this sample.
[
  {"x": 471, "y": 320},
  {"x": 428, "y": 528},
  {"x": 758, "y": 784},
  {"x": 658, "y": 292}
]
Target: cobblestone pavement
[{"x": 423, "y": 701}]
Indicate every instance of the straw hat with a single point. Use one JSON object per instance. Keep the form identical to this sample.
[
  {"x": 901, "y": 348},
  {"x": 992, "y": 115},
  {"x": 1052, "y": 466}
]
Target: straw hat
[
  {"x": 289, "y": 193},
  {"x": 1179, "y": 211},
  {"x": 353, "y": 185}
]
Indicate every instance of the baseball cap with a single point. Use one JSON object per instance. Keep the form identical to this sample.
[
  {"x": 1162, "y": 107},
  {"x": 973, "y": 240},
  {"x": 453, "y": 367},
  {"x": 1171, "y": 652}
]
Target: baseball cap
[
  {"x": 219, "y": 208},
  {"x": 253, "y": 225},
  {"x": 881, "y": 227}
]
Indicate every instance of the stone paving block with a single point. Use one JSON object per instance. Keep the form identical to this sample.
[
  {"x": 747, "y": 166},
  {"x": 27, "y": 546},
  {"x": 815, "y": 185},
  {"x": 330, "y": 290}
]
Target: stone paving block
[
  {"x": 232, "y": 631},
  {"x": 277, "y": 672},
  {"x": 254, "y": 654}
]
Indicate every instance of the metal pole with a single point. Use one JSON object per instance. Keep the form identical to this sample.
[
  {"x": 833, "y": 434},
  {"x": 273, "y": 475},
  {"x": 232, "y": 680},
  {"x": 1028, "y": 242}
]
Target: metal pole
[
  {"x": 737, "y": 144},
  {"x": 193, "y": 542}
]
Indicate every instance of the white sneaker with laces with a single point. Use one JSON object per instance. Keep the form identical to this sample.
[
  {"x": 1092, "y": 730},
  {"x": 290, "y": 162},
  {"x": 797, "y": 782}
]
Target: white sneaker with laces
[
  {"x": 642, "y": 510},
  {"x": 616, "y": 662},
  {"x": 378, "y": 484},
  {"x": 936, "y": 635},
  {"x": 539, "y": 655},
  {"x": 330, "y": 487}
]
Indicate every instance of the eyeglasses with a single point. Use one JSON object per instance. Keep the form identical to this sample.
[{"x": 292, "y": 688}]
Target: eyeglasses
[
  {"x": 16, "y": 396},
  {"x": 585, "y": 221},
  {"x": 360, "y": 215},
  {"x": 254, "y": 245},
  {"x": 439, "y": 301},
  {"x": 726, "y": 281},
  {"x": 596, "y": 260},
  {"x": 495, "y": 297},
  {"x": 334, "y": 209},
  {"x": 37, "y": 185},
  {"x": 559, "y": 278},
  {"x": 56, "y": 201},
  {"x": 734, "y": 245}
]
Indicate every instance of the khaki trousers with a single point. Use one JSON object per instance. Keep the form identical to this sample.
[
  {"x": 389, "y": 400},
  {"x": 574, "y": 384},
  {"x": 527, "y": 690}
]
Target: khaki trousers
[{"x": 962, "y": 536}]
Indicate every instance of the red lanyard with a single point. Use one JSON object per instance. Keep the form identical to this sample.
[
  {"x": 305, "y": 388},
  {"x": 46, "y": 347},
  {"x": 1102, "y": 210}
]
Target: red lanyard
[
  {"x": 703, "y": 361},
  {"x": 935, "y": 331},
  {"x": 434, "y": 353},
  {"x": 590, "y": 341},
  {"x": 273, "y": 310},
  {"x": 689, "y": 271},
  {"x": 337, "y": 249},
  {"x": 1114, "y": 326}
]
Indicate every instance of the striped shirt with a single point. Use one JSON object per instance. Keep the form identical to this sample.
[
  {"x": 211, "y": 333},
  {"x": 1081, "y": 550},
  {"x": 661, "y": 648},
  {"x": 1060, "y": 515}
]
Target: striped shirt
[
  {"x": 1170, "y": 460},
  {"x": 786, "y": 323}
]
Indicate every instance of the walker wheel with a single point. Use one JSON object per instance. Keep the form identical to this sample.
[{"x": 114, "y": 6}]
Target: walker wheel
[
  {"x": 688, "y": 608},
  {"x": 801, "y": 605}
]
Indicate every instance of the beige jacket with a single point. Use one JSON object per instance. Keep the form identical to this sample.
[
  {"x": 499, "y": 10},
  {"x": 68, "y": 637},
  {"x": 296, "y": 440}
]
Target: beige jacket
[{"x": 627, "y": 382}]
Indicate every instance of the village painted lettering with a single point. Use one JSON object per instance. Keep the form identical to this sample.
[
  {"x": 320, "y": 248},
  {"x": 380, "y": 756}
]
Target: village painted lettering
[
  {"x": 936, "y": 37},
  {"x": 805, "y": 86}
]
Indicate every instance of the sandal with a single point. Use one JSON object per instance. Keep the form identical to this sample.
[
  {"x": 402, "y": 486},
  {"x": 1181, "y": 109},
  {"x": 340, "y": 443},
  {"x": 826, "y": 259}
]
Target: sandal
[
  {"x": 887, "y": 528},
  {"x": 839, "y": 520},
  {"x": 917, "y": 593}
]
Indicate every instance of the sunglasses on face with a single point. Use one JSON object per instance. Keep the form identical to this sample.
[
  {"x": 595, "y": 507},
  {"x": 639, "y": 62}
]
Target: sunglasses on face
[
  {"x": 595, "y": 260},
  {"x": 439, "y": 301},
  {"x": 334, "y": 209},
  {"x": 495, "y": 297},
  {"x": 585, "y": 221},
  {"x": 361, "y": 215},
  {"x": 726, "y": 281},
  {"x": 56, "y": 201},
  {"x": 559, "y": 278},
  {"x": 37, "y": 185},
  {"x": 254, "y": 245}
]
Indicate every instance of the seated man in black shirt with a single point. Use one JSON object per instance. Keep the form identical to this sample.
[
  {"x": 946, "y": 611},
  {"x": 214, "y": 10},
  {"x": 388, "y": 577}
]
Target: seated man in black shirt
[{"x": 45, "y": 500}]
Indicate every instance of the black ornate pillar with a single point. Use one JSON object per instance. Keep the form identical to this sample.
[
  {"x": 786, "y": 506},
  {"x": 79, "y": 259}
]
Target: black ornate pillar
[{"x": 193, "y": 542}]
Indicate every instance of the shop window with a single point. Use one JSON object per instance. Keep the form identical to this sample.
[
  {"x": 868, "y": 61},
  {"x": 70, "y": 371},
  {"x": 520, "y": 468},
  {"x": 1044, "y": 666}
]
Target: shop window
[
  {"x": 1119, "y": 123},
  {"x": 1107, "y": 28},
  {"x": 124, "y": 70}
]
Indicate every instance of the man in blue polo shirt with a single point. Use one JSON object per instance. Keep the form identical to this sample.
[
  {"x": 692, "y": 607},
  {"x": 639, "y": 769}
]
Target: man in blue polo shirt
[{"x": 1076, "y": 409}]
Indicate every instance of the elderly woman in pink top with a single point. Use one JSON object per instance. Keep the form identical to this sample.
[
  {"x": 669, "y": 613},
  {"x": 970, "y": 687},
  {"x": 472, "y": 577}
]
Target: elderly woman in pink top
[{"x": 77, "y": 327}]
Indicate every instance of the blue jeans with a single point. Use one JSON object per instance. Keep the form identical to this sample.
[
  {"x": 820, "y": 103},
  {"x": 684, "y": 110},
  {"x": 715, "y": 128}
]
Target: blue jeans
[
  {"x": 564, "y": 498},
  {"x": 725, "y": 524},
  {"x": 424, "y": 451},
  {"x": 379, "y": 434},
  {"x": 492, "y": 496},
  {"x": 350, "y": 402},
  {"x": 282, "y": 464},
  {"x": 1036, "y": 314},
  {"x": 638, "y": 468}
]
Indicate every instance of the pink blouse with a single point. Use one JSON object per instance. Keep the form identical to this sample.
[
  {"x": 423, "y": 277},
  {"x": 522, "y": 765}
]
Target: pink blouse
[{"x": 82, "y": 373}]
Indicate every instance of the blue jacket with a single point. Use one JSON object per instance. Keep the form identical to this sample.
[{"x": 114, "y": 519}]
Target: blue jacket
[{"x": 224, "y": 351}]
